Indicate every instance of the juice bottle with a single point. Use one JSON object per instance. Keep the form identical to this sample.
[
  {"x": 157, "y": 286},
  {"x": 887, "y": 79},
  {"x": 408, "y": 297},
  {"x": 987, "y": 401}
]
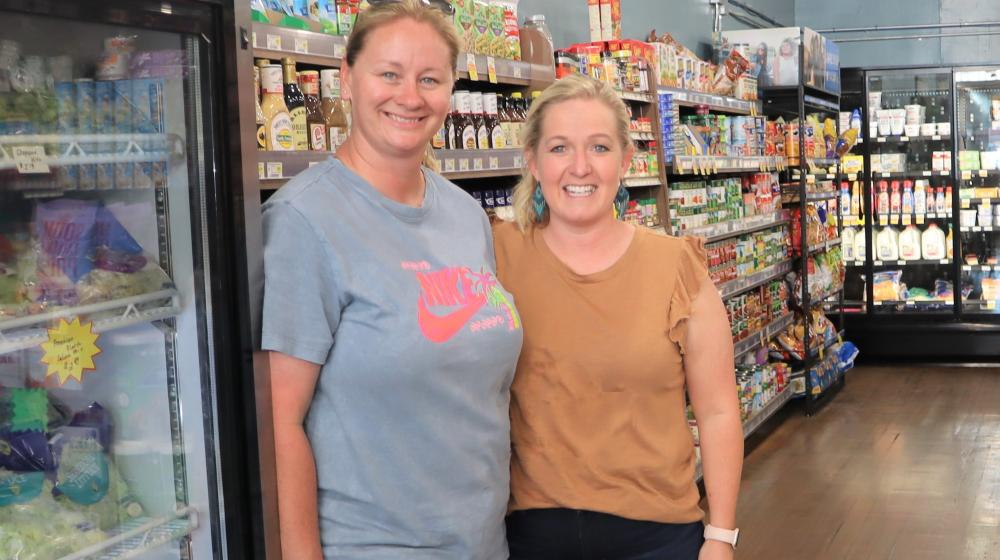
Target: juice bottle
[
  {"x": 278, "y": 123},
  {"x": 947, "y": 199},
  {"x": 467, "y": 125},
  {"x": 939, "y": 202},
  {"x": 309, "y": 83},
  {"x": 296, "y": 104},
  {"x": 258, "y": 111},
  {"x": 894, "y": 200},
  {"x": 920, "y": 199},
  {"x": 883, "y": 198},
  {"x": 332, "y": 108},
  {"x": 907, "y": 203}
]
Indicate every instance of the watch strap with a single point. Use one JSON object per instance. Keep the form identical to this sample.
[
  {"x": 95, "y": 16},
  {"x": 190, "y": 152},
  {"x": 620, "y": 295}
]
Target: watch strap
[{"x": 730, "y": 537}]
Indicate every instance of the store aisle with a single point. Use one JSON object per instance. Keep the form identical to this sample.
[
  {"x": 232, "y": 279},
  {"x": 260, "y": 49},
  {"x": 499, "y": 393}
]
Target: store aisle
[{"x": 903, "y": 464}]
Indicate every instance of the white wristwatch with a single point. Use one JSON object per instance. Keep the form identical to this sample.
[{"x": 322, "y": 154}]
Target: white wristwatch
[{"x": 724, "y": 535}]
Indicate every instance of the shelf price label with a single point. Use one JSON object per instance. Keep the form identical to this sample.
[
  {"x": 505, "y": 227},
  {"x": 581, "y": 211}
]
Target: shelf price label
[
  {"x": 920, "y": 219},
  {"x": 470, "y": 66},
  {"x": 449, "y": 165},
  {"x": 927, "y": 173},
  {"x": 966, "y": 203},
  {"x": 494, "y": 163},
  {"x": 983, "y": 173},
  {"x": 463, "y": 164},
  {"x": 906, "y": 219},
  {"x": 273, "y": 42},
  {"x": 339, "y": 50},
  {"x": 477, "y": 164},
  {"x": 991, "y": 305},
  {"x": 274, "y": 170},
  {"x": 966, "y": 175},
  {"x": 301, "y": 45},
  {"x": 491, "y": 69},
  {"x": 883, "y": 220},
  {"x": 70, "y": 350},
  {"x": 30, "y": 159}
]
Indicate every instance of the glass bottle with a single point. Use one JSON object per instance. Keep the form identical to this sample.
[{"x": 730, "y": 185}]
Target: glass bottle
[
  {"x": 497, "y": 139},
  {"x": 451, "y": 124},
  {"x": 316, "y": 124},
  {"x": 482, "y": 134},
  {"x": 332, "y": 107},
  {"x": 296, "y": 104},
  {"x": 278, "y": 123}
]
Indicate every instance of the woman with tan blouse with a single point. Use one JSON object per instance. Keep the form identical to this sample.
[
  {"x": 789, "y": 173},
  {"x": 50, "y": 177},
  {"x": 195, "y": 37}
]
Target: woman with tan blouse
[{"x": 619, "y": 323}]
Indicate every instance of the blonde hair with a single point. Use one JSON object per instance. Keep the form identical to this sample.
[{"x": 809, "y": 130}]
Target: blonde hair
[
  {"x": 382, "y": 14},
  {"x": 569, "y": 88}
]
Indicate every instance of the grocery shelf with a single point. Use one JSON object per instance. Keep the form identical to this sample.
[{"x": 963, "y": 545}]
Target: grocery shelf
[
  {"x": 981, "y": 268},
  {"x": 468, "y": 164},
  {"x": 970, "y": 202},
  {"x": 825, "y": 246},
  {"x": 979, "y": 306},
  {"x": 976, "y": 229},
  {"x": 815, "y": 351},
  {"x": 903, "y": 262},
  {"x": 910, "y": 174},
  {"x": 733, "y": 228},
  {"x": 810, "y": 197},
  {"x": 825, "y": 296},
  {"x": 141, "y": 535},
  {"x": 717, "y": 103},
  {"x": 761, "y": 337},
  {"x": 19, "y": 333},
  {"x": 969, "y": 173},
  {"x": 321, "y": 49},
  {"x": 275, "y": 42},
  {"x": 903, "y": 138},
  {"x": 814, "y": 177},
  {"x": 650, "y": 181},
  {"x": 917, "y": 305},
  {"x": 709, "y": 165},
  {"x": 769, "y": 410},
  {"x": 637, "y": 96},
  {"x": 79, "y": 149},
  {"x": 275, "y": 168},
  {"x": 642, "y": 136},
  {"x": 734, "y": 287}
]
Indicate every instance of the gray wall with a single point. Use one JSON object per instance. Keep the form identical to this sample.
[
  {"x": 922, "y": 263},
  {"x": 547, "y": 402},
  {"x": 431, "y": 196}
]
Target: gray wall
[
  {"x": 689, "y": 21},
  {"x": 864, "y": 13}
]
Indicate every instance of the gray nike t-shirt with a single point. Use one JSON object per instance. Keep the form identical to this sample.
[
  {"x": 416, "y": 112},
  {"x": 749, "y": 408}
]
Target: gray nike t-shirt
[{"x": 418, "y": 343}]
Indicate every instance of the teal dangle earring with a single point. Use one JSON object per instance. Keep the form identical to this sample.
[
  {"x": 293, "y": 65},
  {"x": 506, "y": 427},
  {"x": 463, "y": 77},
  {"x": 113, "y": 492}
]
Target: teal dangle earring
[
  {"x": 621, "y": 201},
  {"x": 539, "y": 201}
]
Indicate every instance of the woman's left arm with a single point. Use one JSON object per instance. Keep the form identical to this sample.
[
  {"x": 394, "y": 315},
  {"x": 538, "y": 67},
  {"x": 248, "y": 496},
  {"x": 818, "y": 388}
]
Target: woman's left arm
[{"x": 711, "y": 382}]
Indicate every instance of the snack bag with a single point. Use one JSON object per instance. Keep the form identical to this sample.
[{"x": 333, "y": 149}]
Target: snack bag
[
  {"x": 887, "y": 286},
  {"x": 64, "y": 230},
  {"x": 724, "y": 79},
  {"x": 498, "y": 36},
  {"x": 465, "y": 13}
]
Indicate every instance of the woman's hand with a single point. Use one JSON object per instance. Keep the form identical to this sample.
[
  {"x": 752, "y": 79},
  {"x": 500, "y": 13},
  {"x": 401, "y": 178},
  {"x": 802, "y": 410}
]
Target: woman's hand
[{"x": 716, "y": 550}]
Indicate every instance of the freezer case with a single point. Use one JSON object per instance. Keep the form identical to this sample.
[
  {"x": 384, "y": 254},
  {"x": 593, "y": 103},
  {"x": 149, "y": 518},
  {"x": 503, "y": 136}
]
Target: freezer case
[{"x": 108, "y": 444}]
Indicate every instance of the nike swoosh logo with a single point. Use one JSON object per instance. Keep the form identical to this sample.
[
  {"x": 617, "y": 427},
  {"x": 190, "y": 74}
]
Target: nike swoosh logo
[{"x": 440, "y": 328}]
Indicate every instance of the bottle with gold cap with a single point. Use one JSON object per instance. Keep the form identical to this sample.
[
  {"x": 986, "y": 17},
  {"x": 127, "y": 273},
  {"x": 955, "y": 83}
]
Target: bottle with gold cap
[
  {"x": 296, "y": 104},
  {"x": 517, "y": 119}
]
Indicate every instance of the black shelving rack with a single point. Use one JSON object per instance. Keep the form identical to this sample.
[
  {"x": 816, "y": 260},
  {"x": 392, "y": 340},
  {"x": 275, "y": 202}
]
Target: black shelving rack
[{"x": 795, "y": 102}]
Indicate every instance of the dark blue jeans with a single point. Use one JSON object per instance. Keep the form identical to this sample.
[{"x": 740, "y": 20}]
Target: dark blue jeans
[{"x": 569, "y": 534}]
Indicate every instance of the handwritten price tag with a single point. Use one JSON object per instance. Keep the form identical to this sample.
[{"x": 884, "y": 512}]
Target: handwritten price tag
[
  {"x": 30, "y": 159},
  {"x": 70, "y": 350}
]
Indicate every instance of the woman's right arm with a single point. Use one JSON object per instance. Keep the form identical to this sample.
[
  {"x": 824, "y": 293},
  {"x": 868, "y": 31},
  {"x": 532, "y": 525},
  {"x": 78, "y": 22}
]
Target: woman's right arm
[{"x": 293, "y": 382}]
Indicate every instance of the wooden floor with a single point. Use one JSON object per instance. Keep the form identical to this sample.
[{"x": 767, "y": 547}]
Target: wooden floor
[{"x": 903, "y": 464}]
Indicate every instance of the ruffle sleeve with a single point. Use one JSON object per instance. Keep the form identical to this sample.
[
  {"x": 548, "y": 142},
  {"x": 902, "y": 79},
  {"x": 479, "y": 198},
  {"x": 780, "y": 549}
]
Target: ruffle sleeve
[{"x": 692, "y": 270}]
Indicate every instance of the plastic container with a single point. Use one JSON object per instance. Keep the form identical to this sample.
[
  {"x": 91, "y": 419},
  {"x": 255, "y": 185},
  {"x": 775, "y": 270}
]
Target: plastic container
[{"x": 536, "y": 41}]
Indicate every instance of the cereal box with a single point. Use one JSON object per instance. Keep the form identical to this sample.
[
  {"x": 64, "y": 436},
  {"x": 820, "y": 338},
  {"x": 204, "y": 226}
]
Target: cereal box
[{"x": 465, "y": 13}]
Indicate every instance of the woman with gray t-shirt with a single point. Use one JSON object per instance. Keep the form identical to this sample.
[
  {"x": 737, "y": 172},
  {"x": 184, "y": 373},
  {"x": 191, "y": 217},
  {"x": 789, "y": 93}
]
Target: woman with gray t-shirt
[{"x": 392, "y": 345}]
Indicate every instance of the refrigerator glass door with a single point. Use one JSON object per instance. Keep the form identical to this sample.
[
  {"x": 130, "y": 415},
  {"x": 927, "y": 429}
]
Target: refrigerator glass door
[{"x": 107, "y": 418}]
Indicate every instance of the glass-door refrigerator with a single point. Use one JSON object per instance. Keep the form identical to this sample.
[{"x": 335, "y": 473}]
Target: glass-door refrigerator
[
  {"x": 119, "y": 347},
  {"x": 910, "y": 192},
  {"x": 978, "y": 149}
]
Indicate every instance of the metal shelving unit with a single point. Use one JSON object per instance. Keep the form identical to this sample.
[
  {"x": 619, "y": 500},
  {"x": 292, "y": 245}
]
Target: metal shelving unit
[{"x": 142, "y": 535}]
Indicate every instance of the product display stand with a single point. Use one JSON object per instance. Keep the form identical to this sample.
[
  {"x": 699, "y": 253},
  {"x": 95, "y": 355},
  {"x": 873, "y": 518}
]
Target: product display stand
[{"x": 794, "y": 103}]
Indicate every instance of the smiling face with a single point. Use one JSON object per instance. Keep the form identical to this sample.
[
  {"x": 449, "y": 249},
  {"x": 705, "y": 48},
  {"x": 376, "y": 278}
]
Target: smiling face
[
  {"x": 579, "y": 161},
  {"x": 399, "y": 87}
]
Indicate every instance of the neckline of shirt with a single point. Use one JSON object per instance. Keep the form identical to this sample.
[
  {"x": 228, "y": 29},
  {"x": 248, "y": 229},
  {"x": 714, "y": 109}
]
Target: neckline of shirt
[
  {"x": 398, "y": 209},
  {"x": 564, "y": 270}
]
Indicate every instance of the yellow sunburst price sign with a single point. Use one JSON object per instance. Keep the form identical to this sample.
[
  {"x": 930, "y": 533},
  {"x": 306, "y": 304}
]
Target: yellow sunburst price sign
[{"x": 70, "y": 350}]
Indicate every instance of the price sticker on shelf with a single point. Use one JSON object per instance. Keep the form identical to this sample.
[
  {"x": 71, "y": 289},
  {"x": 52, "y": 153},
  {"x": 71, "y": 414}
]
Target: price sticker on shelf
[
  {"x": 260, "y": 170},
  {"x": 966, "y": 268},
  {"x": 904, "y": 138},
  {"x": 966, "y": 175},
  {"x": 936, "y": 137},
  {"x": 477, "y": 164},
  {"x": 494, "y": 163},
  {"x": 977, "y": 228},
  {"x": 518, "y": 70},
  {"x": 301, "y": 45},
  {"x": 883, "y": 220},
  {"x": 945, "y": 172},
  {"x": 70, "y": 350},
  {"x": 274, "y": 42},
  {"x": 920, "y": 219},
  {"x": 983, "y": 173},
  {"x": 900, "y": 263},
  {"x": 852, "y": 176},
  {"x": 339, "y": 50},
  {"x": 449, "y": 165},
  {"x": 991, "y": 305},
  {"x": 877, "y": 263},
  {"x": 945, "y": 261},
  {"x": 253, "y": 39},
  {"x": 966, "y": 203},
  {"x": 491, "y": 69},
  {"x": 275, "y": 170},
  {"x": 927, "y": 173},
  {"x": 463, "y": 164},
  {"x": 470, "y": 66},
  {"x": 880, "y": 139},
  {"x": 907, "y": 219},
  {"x": 30, "y": 159}
]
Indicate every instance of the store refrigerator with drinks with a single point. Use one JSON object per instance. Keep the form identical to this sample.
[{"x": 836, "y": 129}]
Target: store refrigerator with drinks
[{"x": 123, "y": 402}]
